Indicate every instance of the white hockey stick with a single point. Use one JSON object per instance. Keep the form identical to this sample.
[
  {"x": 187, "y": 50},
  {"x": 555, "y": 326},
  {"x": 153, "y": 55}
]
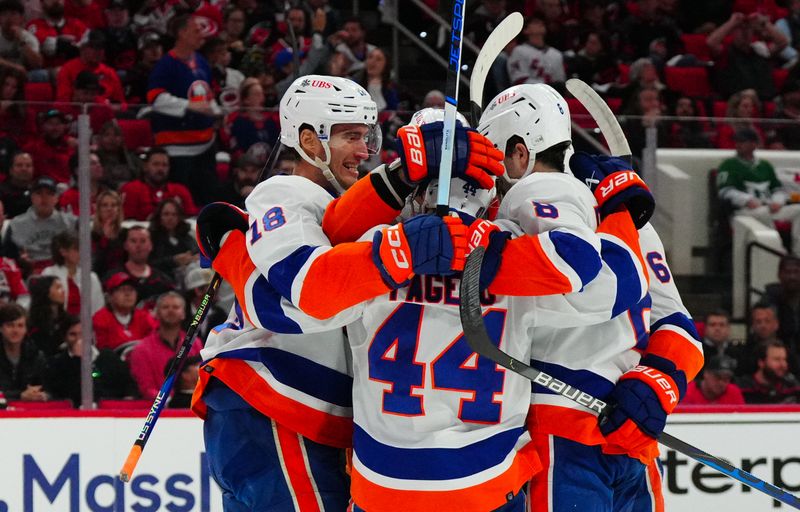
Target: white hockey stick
[
  {"x": 603, "y": 116},
  {"x": 503, "y": 33},
  {"x": 450, "y": 108}
]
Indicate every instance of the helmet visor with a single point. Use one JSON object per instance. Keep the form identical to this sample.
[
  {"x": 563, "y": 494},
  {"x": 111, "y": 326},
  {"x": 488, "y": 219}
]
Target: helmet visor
[{"x": 370, "y": 135}]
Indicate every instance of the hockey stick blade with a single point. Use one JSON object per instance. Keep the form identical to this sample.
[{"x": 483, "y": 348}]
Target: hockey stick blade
[
  {"x": 503, "y": 33},
  {"x": 478, "y": 339},
  {"x": 602, "y": 115}
]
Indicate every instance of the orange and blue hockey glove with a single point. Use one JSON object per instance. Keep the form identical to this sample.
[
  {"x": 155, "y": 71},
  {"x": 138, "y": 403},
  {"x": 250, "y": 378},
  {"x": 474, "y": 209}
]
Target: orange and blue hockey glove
[
  {"x": 425, "y": 244},
  {"x": 614, "y": 184},
  {"x": 639, "y": 405},
  {"x": 214, "y": 221},
  {"x": 475, "y": 159},
  {"x": 483, "y": 233}
]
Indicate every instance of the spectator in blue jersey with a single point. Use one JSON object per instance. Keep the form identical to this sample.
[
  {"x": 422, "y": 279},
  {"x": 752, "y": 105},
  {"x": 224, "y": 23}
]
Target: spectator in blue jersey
[{"x": 184, "y": 111}]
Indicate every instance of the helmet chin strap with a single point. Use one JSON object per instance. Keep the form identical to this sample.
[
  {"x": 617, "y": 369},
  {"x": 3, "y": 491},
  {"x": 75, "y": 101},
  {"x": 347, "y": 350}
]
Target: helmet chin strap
[{"x": 324, "y": 167}]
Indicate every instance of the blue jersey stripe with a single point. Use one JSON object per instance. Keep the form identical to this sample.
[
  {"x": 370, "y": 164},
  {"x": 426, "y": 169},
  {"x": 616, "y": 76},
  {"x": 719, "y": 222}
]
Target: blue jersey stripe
[
  {"x": 579, "y": 254},
  {"x": 629, "y": 287},
  {"x": 680, "y": 320},
  {"x": 584, "y": 380},
  {"x": 267, "y": 305},
  {"x": 300, "y": 373},
  {"x": 433, "y": 463},
  {"x": 282, "y": 274}
]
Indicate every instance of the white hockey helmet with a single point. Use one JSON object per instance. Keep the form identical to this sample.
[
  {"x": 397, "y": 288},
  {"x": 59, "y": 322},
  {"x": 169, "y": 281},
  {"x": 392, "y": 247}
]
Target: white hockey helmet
[
  {"x": 464, "y": 196},
  {"x": 321, "y": 102},
  {"x": 535, "y": 112}
]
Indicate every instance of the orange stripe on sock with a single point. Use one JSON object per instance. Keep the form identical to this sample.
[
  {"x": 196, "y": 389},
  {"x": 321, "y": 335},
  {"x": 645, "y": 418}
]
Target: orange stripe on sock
[
  {"x": 541, "y": 483},
  {"x": 297, "y": 474},
  {"x": 655, "y": 486},
  {"x": 676, "y": 348},
  {"x": 526, "y": 270}
]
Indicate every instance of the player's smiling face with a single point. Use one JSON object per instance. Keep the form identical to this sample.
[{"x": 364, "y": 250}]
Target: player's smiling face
[{"x": 348, "y": 149}]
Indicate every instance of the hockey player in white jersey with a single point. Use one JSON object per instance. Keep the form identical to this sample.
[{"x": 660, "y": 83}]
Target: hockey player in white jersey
[
  {"x": 588, "y": 467},
  {"x": 275, "y": 386}
]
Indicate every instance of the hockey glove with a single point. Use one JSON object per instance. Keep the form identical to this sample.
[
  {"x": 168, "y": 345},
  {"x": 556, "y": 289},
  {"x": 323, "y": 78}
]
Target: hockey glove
[
  {"x": 639, "y": 405},
  {"x": 425, "y": 244},
  {"x": 614, "y": 184},
  {"x": 483, "y": 233},
  {"x": 213, "y": 223},
  {"x": 475, "y": 159}
]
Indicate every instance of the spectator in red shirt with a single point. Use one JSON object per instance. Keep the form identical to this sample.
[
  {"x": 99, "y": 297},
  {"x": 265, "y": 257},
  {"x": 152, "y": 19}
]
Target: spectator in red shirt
[
  {"x": 148, "y": 358},
  {"x": 52, "y": 150},
  {"x": 140, "y": 197},
  {"x": 772, "y": 383},
  {"x": 92, "y": 54},
  {"x": 15, "y": 123},
  {"x": 58, "y": 35},
  {"x": 69, "y": 200},
  {"x": 120, "y": 322},
  {"x": 15, "y": 192},
  {"x": 715, "y": 387}
]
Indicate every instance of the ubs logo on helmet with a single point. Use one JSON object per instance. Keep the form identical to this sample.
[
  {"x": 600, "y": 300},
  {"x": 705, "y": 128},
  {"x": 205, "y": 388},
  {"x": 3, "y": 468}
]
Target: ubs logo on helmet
[
  {"x": 505, "y": 97},
  {"x": 320, "y": 84}
]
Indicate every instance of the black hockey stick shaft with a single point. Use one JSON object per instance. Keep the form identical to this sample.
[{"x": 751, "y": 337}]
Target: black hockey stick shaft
[
  {"x": 479, "y": 340},
  {"x": 180, "y": 356}
]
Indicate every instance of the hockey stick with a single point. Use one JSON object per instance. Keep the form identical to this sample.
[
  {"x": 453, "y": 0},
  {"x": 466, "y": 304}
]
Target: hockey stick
[
  {"x": 480, "y": 342},
  {"x": 503, "y": 33},
  {"x": 180, "y": 356},
  {"x": 602, "y": 115},
  {"x": 450, "y": 108}
]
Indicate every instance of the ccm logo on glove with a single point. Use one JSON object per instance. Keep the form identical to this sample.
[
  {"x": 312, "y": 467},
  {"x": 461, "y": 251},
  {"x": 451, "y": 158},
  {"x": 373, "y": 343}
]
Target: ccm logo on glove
[
  {"x": 395, "y": 240},
  {"x": 659, "y": 378}
]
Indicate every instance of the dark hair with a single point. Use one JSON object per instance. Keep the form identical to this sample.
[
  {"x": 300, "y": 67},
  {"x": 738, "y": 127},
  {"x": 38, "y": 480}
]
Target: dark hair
[
  {"x": 12, "y": 6},
  {"x": 155, "y": 150},
  {"x": 64, "y": 240},
  {"x": 157, "y": 230},
  {"x": 717, "y": 312},
  {"x": 18, "y": 109},
  {"x": 356, "y": 20},
  {"x": 211, "y": 45},
  {"x": 41, "y": 315},
  {"x": 230, "y": 9},
  {"x": 763, "y": 348},
  {"x": 178, "y": 23},
  {"x": 127, "y": 231},
  {"x": 554, "y": 155},
  {"x": 764, "y": 305},
  {"x": 10, "y": 312},
  {"x": 787, "y": 260},
  {"x": 74, "y": 161}
]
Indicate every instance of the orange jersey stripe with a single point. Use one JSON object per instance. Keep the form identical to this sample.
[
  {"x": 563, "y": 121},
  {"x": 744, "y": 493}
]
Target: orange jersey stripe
[
  {"x": 235, "y": 266},
  {"x": 579, "y": 426},
  {"x": 488, "y": 495},
  {"x": 620, "y": 225},
  {"x": 297, "y": 471},
  {"x": 352, "y": 214},
  {"x": 184, "y": 137},
  {"x": 654, "y": 481},
  {"x": 540, "y": 491},
  {"x": 316, "y": 425},
  {"x": 340, "y": 278},
  {"x": 672, "y": 346},
  {"x": 516, "y": 277}
]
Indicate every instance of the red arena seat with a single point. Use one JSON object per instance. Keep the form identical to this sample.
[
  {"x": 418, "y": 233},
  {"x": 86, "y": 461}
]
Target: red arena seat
[
  {"x": 615, "y": 104},
  {"x": 779, "y": 77},
  {"x": 696, "y": 45},
  {"x": 39, "y": 91},
  {"x": 689, "y": 81},
  {"x": 720, "y": 109},
  {"x": 579, "y": 114},
  {"x": 137, "y": 133}
]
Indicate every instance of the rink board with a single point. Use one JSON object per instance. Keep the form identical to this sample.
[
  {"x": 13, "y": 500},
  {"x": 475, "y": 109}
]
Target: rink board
[{"x": 69, "y": 463}]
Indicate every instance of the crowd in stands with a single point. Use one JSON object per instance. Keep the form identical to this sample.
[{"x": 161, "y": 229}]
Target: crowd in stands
[{"x": 181, "y": 98}]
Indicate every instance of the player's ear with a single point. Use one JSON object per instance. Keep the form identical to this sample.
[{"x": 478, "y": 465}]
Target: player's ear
[{"x": 310, "y": 142}]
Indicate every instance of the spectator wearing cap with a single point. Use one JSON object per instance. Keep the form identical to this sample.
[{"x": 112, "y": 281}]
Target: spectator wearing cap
[
  {"x": 19, "y": 49},
  {"x": 184, "y": 111},
  {"x": 53, "y": 147},
  {"x": 715, "y": 386},
  {"x": 92, "y": 54},
  {"x": 120, "y": 165},
  {"x": 250, "y": 124},
  {"x": 58, "y": 35},
  {"x": 22, "y": 365},
  {"x": 196, "y": 285},
  {"x": 772, "y": 382},
  {"x": 174, "y": 245},
  {"x": 151, "y": 49},
  {"x": 244, "y": 176},
  {"x": 121, "y": 37},
  {"x": 69, "y": 200},
  {"x": 150, "y": 282},
  {"x": 148, "y": 358},
  {"x": 750, "y": 186},
  {"x": 140, "y": 197},
  {"x": 185, "y": 383},
  {"x": 120, "y": 321},
  {"x": 15, "y": 191},
  {"x": 66, "y": 269},
  {"x": 110, "y": 376},
  {"x": 87, "y": 89},
  {"x": 29, "y": 235}
]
